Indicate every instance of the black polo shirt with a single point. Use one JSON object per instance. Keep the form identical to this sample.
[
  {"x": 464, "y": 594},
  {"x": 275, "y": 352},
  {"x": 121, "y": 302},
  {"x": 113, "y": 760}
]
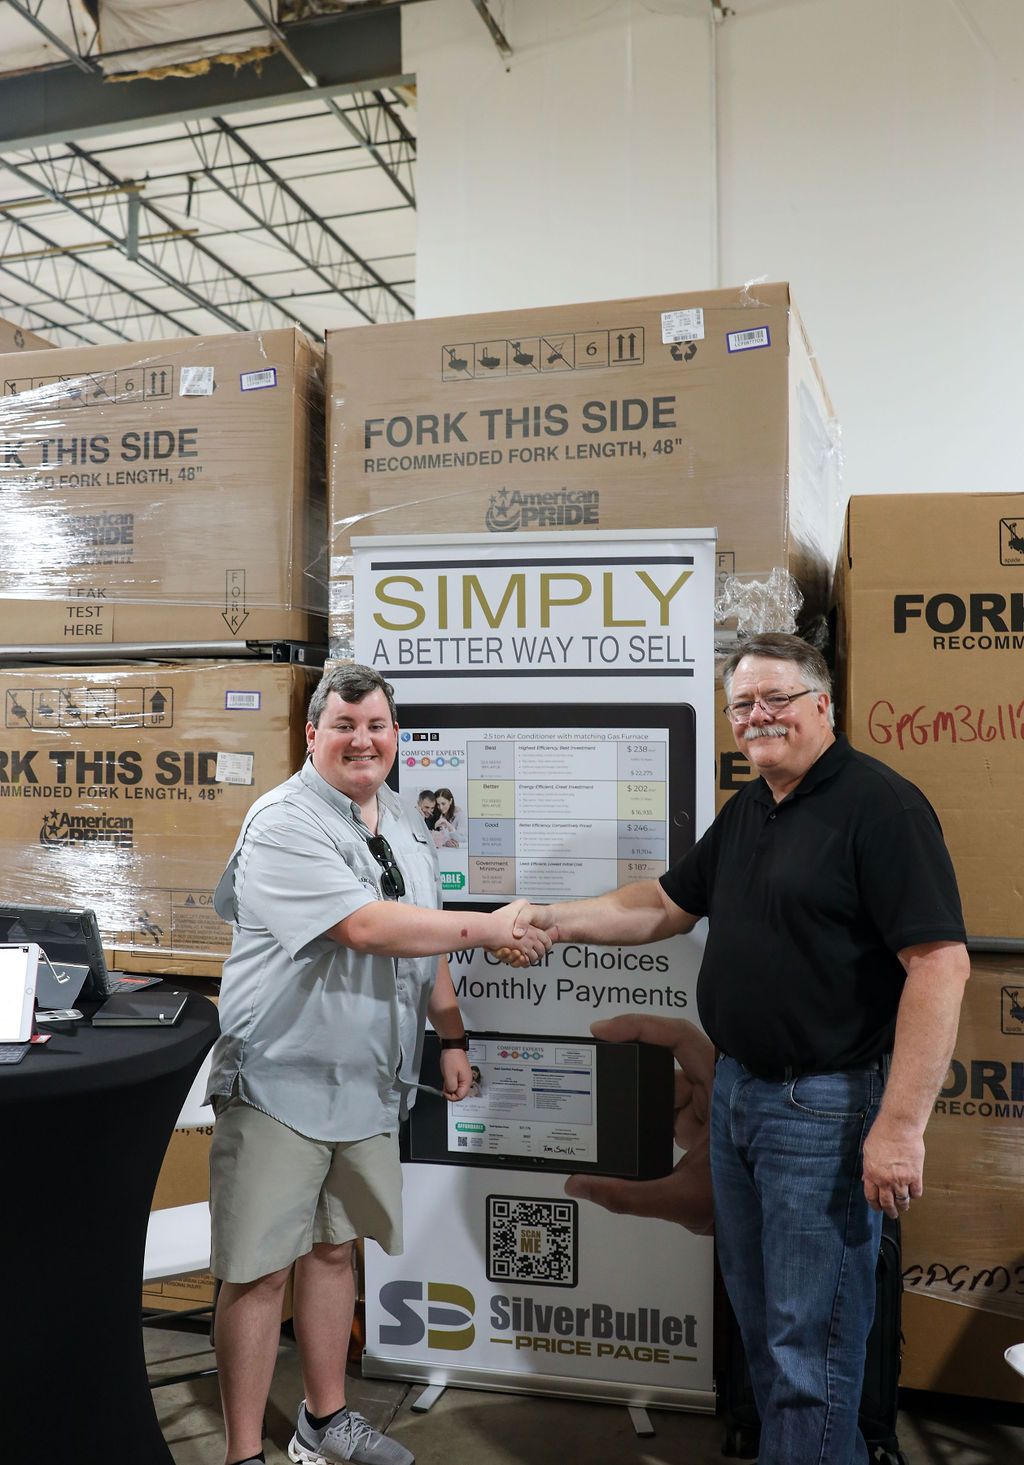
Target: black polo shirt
[{"x": 808, "y": 901}]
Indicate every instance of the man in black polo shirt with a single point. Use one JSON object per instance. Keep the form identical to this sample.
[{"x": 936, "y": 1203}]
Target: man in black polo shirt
[{"x": 835, "y": 937}]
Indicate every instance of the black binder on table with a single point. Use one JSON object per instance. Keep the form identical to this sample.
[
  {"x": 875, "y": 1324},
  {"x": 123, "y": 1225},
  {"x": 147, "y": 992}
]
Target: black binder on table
[{"x": 159, "y": 1008}]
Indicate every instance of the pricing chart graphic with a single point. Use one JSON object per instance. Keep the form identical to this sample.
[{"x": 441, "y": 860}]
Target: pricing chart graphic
[{"x": 544, "y": 802}]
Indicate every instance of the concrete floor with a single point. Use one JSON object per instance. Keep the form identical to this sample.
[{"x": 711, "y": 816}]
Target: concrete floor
[{"x": 504, "y": 1429}]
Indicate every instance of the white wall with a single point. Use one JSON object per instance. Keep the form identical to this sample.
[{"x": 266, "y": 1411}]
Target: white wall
[
  {"x": 868, "y": 151},
  {"x": 565, "y": 178}
]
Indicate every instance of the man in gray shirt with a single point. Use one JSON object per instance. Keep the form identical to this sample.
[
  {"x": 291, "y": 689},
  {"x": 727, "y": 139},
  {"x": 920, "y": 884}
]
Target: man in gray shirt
[{"x": 338, "y": 958}]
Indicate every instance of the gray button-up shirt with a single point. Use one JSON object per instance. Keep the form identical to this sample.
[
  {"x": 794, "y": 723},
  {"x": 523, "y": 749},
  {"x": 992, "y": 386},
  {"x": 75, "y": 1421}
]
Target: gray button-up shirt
[{"x": 321, "y": 1037}]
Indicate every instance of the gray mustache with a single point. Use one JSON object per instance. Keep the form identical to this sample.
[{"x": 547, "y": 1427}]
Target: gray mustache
[{"x": 764, "y": 732}]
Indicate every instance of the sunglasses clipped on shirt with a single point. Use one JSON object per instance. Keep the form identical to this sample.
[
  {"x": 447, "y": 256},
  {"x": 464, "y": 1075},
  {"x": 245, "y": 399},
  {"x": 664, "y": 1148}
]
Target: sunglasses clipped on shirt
[{"x": 392, "y": 881}]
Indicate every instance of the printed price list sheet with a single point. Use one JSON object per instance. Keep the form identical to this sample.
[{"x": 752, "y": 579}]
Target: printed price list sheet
[{"x": 566, "y": 813}]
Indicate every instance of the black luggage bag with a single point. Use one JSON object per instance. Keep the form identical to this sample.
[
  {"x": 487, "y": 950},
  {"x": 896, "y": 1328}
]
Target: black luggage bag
[{"x": 878, "y": 1404}]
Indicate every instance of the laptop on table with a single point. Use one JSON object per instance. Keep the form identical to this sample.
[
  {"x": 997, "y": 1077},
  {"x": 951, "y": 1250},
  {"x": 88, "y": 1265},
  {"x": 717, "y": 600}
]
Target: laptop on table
[{"x": 75, "y": 965}]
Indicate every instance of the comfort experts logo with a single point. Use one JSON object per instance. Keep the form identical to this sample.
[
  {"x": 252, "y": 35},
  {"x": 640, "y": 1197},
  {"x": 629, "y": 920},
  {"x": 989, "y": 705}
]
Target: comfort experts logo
[
  {"x": 61, "y": 830},
  {"x": 510, "y": 510},
  {"x": 444, "y": 1316}
]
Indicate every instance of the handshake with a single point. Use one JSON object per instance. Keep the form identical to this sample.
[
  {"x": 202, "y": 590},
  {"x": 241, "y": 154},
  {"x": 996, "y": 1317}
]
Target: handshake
[{"x": 523, "y": 933}]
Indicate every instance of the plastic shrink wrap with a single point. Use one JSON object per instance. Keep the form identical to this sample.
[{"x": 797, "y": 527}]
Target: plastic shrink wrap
[
  {"x": 702, "y": 410},
  {"x": 123, "y": 788},
  {"x": 163, "y": 493}
]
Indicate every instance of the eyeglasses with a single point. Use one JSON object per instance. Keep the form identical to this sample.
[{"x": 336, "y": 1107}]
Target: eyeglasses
[
  {"x": 773, "y": 704},
  {"x": 392, "y": 881}
]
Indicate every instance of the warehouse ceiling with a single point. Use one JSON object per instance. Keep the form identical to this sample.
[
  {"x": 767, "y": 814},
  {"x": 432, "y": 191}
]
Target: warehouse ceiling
[{"x": 172, "y": 167}]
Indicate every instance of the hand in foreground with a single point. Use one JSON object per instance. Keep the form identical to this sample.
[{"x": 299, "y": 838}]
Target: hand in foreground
[
  {"x": 893, "y": 1167},
  {"x": 517, "y": 940},
  {"x": 536, "y": 916},
  {"x": 456, "y": 1074},
  {"x": 684, "y": 1196}
]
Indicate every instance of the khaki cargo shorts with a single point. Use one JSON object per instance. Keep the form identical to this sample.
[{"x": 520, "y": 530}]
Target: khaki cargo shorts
[{"x": 274, "y": 1193}]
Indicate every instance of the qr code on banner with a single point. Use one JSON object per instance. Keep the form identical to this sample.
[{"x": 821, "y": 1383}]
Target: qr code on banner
[{"x": 532, "y": 1240}]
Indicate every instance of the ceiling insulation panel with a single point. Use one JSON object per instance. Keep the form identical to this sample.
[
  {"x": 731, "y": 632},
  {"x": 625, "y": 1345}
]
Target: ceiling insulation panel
[
  {"x": 23, "y": 47},
  {"x": 158, "y": 34}
]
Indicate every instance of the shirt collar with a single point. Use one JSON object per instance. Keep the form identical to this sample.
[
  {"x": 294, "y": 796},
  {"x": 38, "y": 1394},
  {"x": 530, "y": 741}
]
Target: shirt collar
[
  {"x": 387, "y": 800},
  {"x": 827, "y": 766}
]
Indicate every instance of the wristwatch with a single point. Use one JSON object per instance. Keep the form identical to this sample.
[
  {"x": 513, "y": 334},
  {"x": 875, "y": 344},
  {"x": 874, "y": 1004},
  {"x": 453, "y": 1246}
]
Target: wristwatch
[{"x": 462, "y": 1042}]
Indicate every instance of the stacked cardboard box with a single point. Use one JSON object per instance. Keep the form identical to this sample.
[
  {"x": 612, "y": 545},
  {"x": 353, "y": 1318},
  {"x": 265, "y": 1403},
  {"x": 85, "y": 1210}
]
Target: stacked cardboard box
[
  {"x": 154, "y": 495},
  {"x": 930, "y": 621},
  {"x": 163, "y": 493},
  {"x": 16, "y": 338},
  {"x": 123, "y": 788},
  {"x": 963, "y": 1242},
  {"x": 184, "y": 1180},
  {"x": 931, "y": 624},
  {"x": 692, "y": 410}
]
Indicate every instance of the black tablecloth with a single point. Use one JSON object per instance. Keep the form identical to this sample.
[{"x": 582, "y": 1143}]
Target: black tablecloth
[{"x": 84, "y": 1123}]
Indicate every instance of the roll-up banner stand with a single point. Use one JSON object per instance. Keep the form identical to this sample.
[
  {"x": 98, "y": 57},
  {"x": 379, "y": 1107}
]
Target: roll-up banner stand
[{"x": 562, "y": 695}]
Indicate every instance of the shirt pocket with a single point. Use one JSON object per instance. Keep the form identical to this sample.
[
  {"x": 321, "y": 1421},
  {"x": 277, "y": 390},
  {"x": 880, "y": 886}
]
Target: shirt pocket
[{"x": 421, "y": 880}]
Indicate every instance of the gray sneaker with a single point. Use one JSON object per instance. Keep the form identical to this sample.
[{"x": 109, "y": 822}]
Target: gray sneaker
[{"x": 347, "y": 1436}]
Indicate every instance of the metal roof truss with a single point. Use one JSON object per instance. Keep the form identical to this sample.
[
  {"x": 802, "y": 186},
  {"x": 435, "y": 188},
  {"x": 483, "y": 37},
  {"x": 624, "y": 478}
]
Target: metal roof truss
[{"x": 92, "y": 251}]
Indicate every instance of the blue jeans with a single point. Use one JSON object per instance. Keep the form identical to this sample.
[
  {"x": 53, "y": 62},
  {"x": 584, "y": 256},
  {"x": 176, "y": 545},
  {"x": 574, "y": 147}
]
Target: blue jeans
[{"x": 798, "y": 1245}]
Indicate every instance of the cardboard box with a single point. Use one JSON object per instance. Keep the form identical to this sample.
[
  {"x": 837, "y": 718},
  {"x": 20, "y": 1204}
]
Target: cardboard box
[
  {"x": 16, "y": 338},
  {"x": 963, "y": 1241},
  {"x": 198, "y": 1290},
  {"x": 185, "y": 1174},
  {"x": 588, "y": 417},
  {"x": 958, "y": 1350},
  {"x": 732, "y": 769},
  {"x": 123, "y": 788},
  {"x": 930, "y": 592},
  {"x": 166, "y": 492},
  {"x": 184, "y": 1179}
]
